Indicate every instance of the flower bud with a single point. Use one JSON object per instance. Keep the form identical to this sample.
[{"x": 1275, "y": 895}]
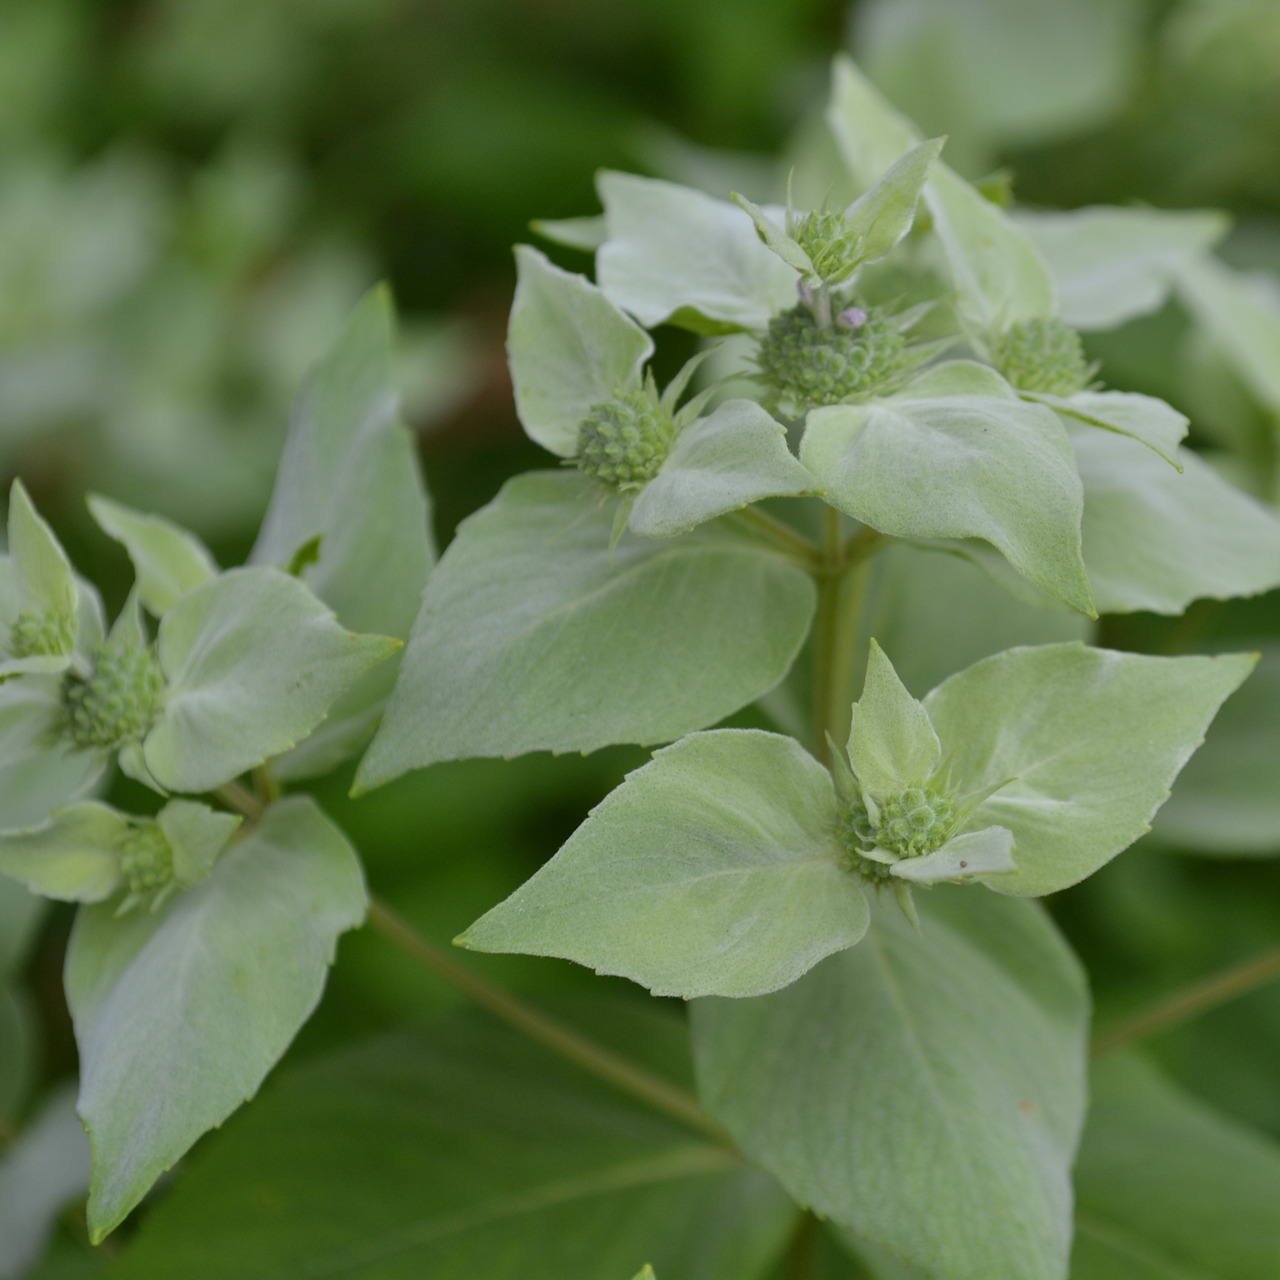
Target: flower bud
[
  {"x": 624, "y": 441},
  {"x": 1042, "y": 355},
  {"x": 119, "y": 700}
]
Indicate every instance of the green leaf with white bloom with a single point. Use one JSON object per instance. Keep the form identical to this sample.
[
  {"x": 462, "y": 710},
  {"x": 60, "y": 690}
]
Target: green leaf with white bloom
[
  {"x": 1112, "y": 264},
  {"x": 534, "y": 635},
  {"x": 676, "y": 255},
  {"x": 168, "y": 560},
  {"x": 779, "y": 241},
  {"x": 957, "y": 454},
  {"x": 196, "y": 834},
  {"x": 999, "y": 274},
  {"x": 350, "y": 478},
  {"x": 892, "y": 744},
  {"x": 883, "y": 215},
  {"x": 871, "y": 134},
  {"x": 925, "y": 1090},
  {"x": 1167, "y": 1188},
  {"x": 1156, "y": 540},
  {"x": 713, "y": 870},
  {"x": 1226, "y": 802},
  {"x": 38, "y": 772},
  {"x": 1243, "y": 316},
  {"x": 74, "y": 856},
  {"x": 975, "y": 853},
  {"x": 570, "y": 348},
  {"x": 587, "y": 234},
  {"x": 1087, "y": 742},
  {"x": 1157, "y": 425},
  {"x": 734, "y": 456},
  {"x": 180, "y": 1013},
  {"x": 253, "y": 662}
]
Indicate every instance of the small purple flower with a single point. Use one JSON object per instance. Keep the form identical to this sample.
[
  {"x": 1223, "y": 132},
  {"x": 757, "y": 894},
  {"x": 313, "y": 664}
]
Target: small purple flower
[{"x": 852, "y": 318}]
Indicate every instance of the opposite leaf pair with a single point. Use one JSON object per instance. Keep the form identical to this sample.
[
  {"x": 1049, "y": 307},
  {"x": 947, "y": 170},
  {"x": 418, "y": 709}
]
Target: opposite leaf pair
[{"x": 732, "y": 864}]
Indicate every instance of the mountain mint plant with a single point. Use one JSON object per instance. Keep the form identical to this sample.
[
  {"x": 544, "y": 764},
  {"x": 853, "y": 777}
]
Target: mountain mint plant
[{"x": 886, "y": 1027}]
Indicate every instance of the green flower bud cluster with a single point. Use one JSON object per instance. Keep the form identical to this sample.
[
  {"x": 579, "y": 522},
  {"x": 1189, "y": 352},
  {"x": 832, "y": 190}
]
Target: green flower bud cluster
[
  {"x": 146, "y": 858},
  {"x": 833, "y": 249},
  {"x": 815, "y": 364},
  {"x": 36, "y": 635},
  {"x": 119, "y": 700},
  {"x": 908, "y": 825},
  {"x": 624, "y": 441},
  {"x": 1042, "y": 355}
]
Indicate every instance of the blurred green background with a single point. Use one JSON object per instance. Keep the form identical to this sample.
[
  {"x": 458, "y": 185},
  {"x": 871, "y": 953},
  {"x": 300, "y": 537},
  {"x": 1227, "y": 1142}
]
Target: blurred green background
[{"x": 193, "y": 193}]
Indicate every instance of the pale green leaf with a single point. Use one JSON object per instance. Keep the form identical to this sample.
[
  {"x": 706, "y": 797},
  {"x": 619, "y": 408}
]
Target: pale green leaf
[
  {"x": 1157, "y": 425},
  {"x": 570, "y": 348},
  {"x": 999, "y": 274},
  {"x": 1090, "y": 741},
  {"x": 1156, "y": 540},
  {"x": 47, "y": 582},
  {"x": 957, "y": 454},
  {"x": 197, "y": 834},
  {"x": 892, "y": 745},
  {"x": 1112, "y": 264},
  {"x": 168, "y": 560},
  {"x": 350, "y": 477},
  {"x": 253, "y": 662},
  {"x": 883, "y": 215},
  {"x": 179, "y": 1014},
  {"x": 534, "y": 636},
  {"x": 676, "y": 254},
  {"x": 735, "y": 456},
  {"x": 871, "y": 134},
  {"x": 73, "y": 856},
  {"x": 1226, "y": 802},
  {"x": 464, "y": 1151},
  {"x": 1169, "y": 1189},
  {"x": 778, "y": 240},
  {"x": 976, "y": 853},
  {"x": 1242, "y": 316},
  {"x": 43, "y": 1171},
  {"x": 587, "y": 234},
  {"x": 37, "y": 770},
  {"x": 713, "y": 870},
  {"x": 645, "y": 1273},
  {"x": 925, "y": 1091}
]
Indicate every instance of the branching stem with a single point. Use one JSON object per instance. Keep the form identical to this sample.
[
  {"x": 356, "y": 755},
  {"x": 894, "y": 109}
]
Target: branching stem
[
  {"x": 1189, "y": 1003},
  {"x": 782, "y": 536},
  {"x": 601, "y": 1062}
]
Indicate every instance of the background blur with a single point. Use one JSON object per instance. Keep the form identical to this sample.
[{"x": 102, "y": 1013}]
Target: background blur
[{"x": 193, "y": 193}]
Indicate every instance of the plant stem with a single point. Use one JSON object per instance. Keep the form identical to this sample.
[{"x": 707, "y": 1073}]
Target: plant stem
[
  {"x": 826, "y": 636},
  {"x": 241, "y": 800},
  {"x": 601, "y": 1062},
  {"x": 1190, "y": 1002},
  {"x": 781, "y": 535}
]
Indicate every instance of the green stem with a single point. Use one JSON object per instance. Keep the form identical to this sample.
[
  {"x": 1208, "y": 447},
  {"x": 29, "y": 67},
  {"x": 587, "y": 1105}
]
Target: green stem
[
  {"x": 601, "y": 1062},
  {"x": 1189, "y": 1003},
  {"x": 827, "y": 632},
  {"x": 241, "y": 800},
  {"x": 782, "y": 536}
]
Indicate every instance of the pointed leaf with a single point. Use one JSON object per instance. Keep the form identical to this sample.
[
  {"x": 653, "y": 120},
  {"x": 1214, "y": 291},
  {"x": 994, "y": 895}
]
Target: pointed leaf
[
  {"x": 74, "y": 856},
  {"x": 1168, "y": 1188},
  {"x": 168, "y": 560},
  {"x": 892, "y": 745},
  {"x": 778, "y": 240},
  {"x": 977, "y": 853},
  {"x": 871, "y": 134},
  {"x": 253, "y": 661},
  {"x": 1112, "y": 264},
  {"x": 999, "y": 274},
  {"x": 462, "y": 1151},
  {"x": 711, "y": 871},
  {"x": 734, "y": 456},
  {"x": 1154, "y": 539},
  {"x": 882, "y": 216},
  {"x": 587, "y": 234},
  {"x": 677, "y": 255},
  {"x": 533, "y": 636},
  {"x": 570, "y": 348},
  {"x": 179, "y": 1014},
  {"x": 1157, "y": 425},
  {"x": 958, "y": 455},
  {"x": 924, "y": 1090},
  {"x": 1091, "y": 739},
  {"x": 44, "y": 572},
  {"x": 197, "y": 834}
]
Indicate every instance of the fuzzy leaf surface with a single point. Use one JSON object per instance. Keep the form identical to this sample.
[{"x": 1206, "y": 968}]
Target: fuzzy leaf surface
[
  {"x": 734, "y": 456},
  {"x": 892, "y": 744},
  {"x": 180, "y": 1013},
  {"x": 926, "y": 1092},
  {"x": 253, "y": 661},
  {"x": 458, "y": 1153},
  {"x": 957, "y": 454},
  {"x": 570, "y": 348},
  {"x": 532, "y": 637},
  {"x": 1091, "y": 741},
  {"x": 74, "y": 856},
  {"x": 871, "y": 134},
  {"x": 1156, "y": 540},
  {"x": 674, "y": 254},
  {"x": 1167, "y": 1188},
  {"x": 711, "y": 871},
  {"x": 1157, "y": 425}
]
